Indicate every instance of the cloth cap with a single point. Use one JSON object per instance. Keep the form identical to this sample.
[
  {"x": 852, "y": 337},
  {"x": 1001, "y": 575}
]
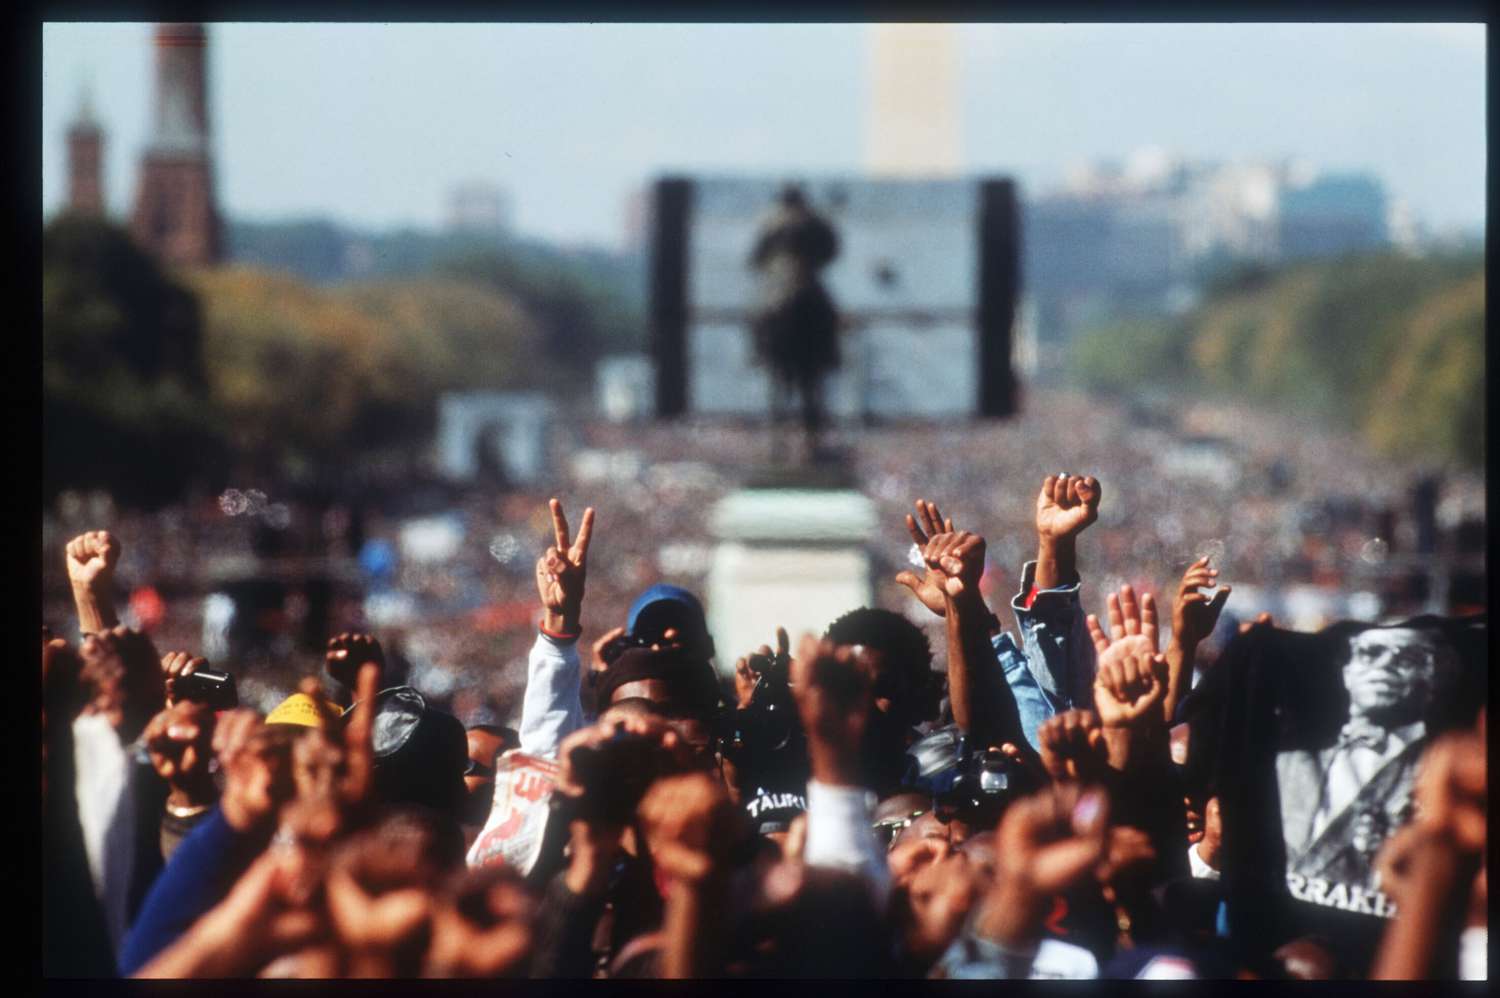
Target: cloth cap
[
  {"x": 664, "y": 606},
  {"x": 301, "y": 709}
]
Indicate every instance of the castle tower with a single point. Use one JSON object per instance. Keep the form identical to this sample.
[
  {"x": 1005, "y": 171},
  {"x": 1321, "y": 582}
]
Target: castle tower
[
  {"x": 914, "y": 111},
  {"x": 85, "y": 161},
  {"x": 175, "y": 215}
]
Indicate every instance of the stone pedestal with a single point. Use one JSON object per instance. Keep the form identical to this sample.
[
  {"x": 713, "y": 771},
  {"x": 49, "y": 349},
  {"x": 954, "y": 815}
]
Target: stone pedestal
[{"x": 790, "y": 557}]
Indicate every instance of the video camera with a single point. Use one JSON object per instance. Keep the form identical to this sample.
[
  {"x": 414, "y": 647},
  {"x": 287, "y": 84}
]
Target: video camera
[
  {"x": 974, "y": 786},
  {"x": 207, "y": 686},
  {"x": 764, "y": 739}
]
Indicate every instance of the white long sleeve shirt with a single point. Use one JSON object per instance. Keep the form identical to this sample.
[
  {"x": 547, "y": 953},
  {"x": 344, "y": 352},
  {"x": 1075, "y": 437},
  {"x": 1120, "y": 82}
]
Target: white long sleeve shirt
[
  {"x": 840, "y": 834},
  {"x": 106, "y": 814},
  {"x": 551, "y": 709}
]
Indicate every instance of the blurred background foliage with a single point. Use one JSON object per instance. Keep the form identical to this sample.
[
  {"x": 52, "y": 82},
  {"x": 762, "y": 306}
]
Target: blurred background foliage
[
  {"x": 1388, "y": 345},
  {"x": 245, "y": 368},
  {"x": 312, "y": 367}
]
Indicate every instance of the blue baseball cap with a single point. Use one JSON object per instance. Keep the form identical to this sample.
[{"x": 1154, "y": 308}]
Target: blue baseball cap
[{"x": 664, "y": 606}]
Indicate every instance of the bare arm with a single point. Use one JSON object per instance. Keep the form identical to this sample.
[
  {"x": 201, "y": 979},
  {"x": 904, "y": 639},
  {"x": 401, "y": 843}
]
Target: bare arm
[{"x": 91, "y": 560}]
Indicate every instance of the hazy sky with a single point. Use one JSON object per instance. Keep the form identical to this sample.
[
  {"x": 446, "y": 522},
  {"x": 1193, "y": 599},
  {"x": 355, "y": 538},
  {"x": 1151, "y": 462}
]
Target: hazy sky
[{"x": 373, "y": 124}]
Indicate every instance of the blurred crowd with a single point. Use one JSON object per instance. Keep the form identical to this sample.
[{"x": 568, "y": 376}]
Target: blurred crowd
[{"x": 1309, "y": 524}]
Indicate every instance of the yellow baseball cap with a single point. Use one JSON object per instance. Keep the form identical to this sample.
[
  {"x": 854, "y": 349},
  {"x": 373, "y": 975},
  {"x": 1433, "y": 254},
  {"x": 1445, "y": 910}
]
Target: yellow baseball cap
[{"x": 301, "y": 709}]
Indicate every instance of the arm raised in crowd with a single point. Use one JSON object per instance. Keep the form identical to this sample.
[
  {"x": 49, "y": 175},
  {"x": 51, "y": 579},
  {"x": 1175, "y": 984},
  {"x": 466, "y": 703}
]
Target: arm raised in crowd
[
  {"x": 1132, "y": 677},
  {"x": 1194, "y": 615},
  {"x": 1066, "y": 505},
  {"x": 690, "y": 826},
  {"x": 91, "y": 560},
  {"x": 986, "y": 711},
  {"x": 833, "y": 685},
  {"x": 551, "y": 709}
]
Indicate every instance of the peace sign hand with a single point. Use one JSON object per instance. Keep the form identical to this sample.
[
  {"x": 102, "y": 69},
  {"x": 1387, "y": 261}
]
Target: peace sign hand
[{"x": 560, "y": 573}]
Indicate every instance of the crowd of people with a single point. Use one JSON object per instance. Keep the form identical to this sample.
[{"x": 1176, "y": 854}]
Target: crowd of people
[
  {"x": 1043, "y": 795},
  {"x": 1315, "y": 533}
]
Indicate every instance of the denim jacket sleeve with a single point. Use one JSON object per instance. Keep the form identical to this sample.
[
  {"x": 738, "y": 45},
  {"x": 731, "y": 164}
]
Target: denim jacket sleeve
[
  {"x": 1058, "y": 650},
  {"x": 1033, "y": 703}
]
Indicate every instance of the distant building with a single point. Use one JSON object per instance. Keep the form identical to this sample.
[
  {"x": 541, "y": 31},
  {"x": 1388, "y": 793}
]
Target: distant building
[
  {"x": 1147, "y": 234},
  {"x": 479, "y": 208},
  {"x": 1333, "y": 215},
  {"x": 85, "y": 161},
  {"x": 176, "y": 216}
]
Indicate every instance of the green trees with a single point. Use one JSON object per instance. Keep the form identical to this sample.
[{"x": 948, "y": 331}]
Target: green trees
[
  {"x": 153, "y": 382},
  {"x": 125, "y": 402},
  {"x": 1388, "y": 345}
]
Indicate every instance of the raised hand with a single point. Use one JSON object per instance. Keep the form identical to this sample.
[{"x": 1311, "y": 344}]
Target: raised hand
[
  {"x": 689, "y": 824},
  {"x": 1194, "y": 613},
  {"x": 560, "y": 573},
  {"x": 1129, "y": 686},
  {"x": 745, "y": 673},
  {"x": 1128, "y": 620},
  {"x": 1211, "y": 842},
  {"x": 1066, "y": 505},
  {"x": 256, "y": 761},
  {"x": 179, "y": 741},
  {"x": 175, "y": 665},
  {"x": 599, "y": 663},
  {"x": 927, "y": 524},
  {"x": 1045, "y": 844},
  {"x": 1072, "y": 746},
  {"x": 348, "y": 652},
  {"x": 380, "y": 893},
  {"x": 91, "y": 558},
  {"x": 832, "y": 687},
  {"x": 959, "y": 557}
]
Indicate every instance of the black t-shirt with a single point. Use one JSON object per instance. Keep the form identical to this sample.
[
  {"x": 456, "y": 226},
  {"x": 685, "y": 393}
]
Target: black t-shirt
[{"x": 1311, "y": 743}]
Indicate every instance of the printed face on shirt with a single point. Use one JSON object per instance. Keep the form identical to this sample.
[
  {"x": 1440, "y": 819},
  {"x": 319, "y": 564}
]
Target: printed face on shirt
[{"x": 1389, "y": 674}]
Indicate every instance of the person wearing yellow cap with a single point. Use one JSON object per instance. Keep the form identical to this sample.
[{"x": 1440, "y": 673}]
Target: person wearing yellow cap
[{"x": 301, "y": 709}]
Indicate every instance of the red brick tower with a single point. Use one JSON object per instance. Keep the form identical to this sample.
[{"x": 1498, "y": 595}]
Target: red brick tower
[
  {"x": 175, "y": 214},
  {"x": 85, "y": 162}
]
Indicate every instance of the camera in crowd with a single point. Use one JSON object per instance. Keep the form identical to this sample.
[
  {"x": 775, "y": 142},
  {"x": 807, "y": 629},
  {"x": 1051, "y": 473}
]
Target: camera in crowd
[
  {"x": 764, "y": 739},
  {"x": 965, "y": 783},
  {"x": 207, "y": 686}
]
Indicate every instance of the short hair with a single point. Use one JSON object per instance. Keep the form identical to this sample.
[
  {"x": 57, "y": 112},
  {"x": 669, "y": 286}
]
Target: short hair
[{"x": 901, "y": 641}]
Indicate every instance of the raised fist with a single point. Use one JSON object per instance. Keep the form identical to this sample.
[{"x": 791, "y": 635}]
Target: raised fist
[
  {"x": 91, "y": 558},
  {"x": 180, "y": 743},
  {"x": 1072, "y": 746},
  {"x": 1130, "y": 683},
  {"x": 832, "y": 686},
  {"x": 689, "y": 823},
  {"x": 1066, "y": 505},
  {"x": 959, "y": 556},
  {"x": 347, "y": 652}
]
